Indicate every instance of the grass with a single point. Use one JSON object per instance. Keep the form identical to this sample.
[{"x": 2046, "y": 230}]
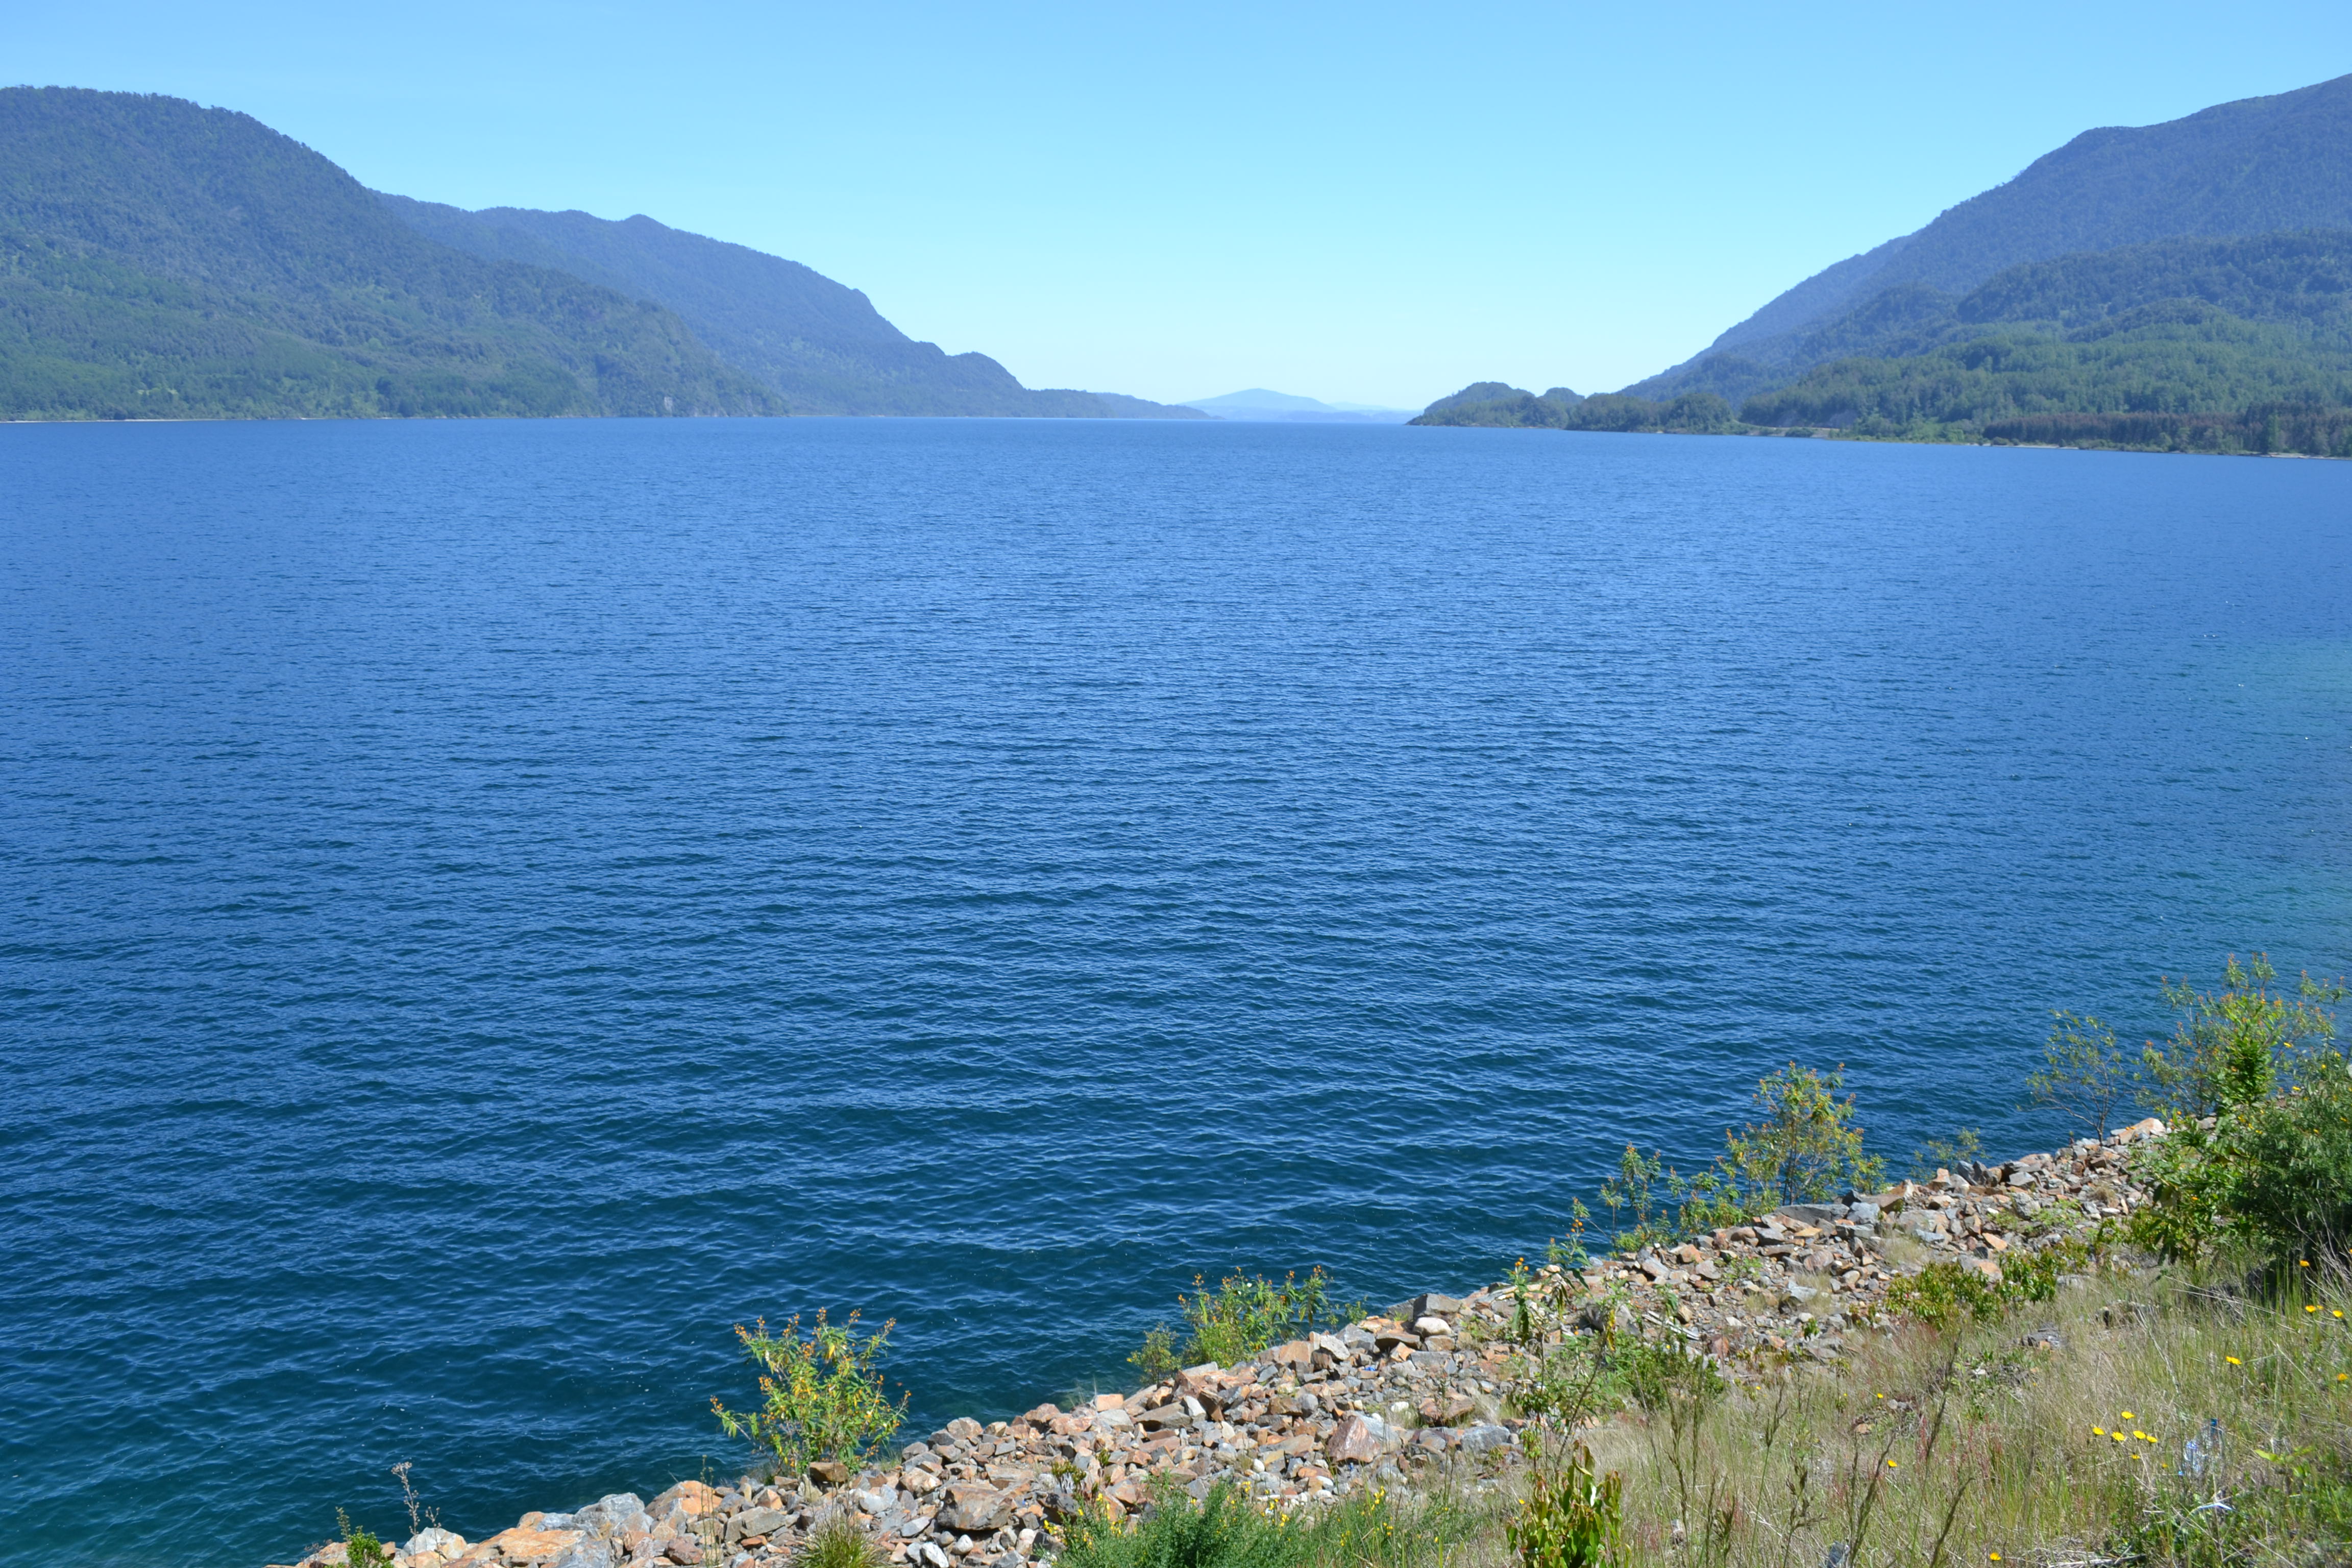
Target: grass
[
  {"x": 1442, "y": 1527},
  {"x": 2151, "y": 1418},
  {"x": 1984, "y": 1441}
]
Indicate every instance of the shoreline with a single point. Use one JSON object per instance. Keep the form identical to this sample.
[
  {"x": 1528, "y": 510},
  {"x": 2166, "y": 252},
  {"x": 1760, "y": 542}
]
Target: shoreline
[{"x": 1423, "y": 1388}]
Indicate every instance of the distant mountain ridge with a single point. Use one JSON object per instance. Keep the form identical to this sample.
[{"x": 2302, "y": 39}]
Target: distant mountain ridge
[
  {"x": 2254, "y": 166},
  {"x": 2186, "y": 286},
  {"x": 161, "y": 259},
  {"x": 158, "y": 259},
  {"x": 1258, "y": 404},
  {"x": 818, "y": 344}
]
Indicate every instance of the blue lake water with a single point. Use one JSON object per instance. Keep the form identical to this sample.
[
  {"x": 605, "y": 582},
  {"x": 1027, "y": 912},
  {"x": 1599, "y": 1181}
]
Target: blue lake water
[{"x": 484, "y": 907}]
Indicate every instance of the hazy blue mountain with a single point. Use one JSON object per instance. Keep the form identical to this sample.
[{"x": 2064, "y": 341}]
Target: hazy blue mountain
[
  {"x": 2258, "y": 166},
  {"x": 1258, "y": 404},
  {"x": 162, "y": 259},
  {"x": 821, "y": 345}
]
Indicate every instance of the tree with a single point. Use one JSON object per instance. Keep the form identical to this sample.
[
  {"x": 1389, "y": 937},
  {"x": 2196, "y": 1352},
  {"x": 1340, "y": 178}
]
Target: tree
[{"x": 2083, "y": 1071}]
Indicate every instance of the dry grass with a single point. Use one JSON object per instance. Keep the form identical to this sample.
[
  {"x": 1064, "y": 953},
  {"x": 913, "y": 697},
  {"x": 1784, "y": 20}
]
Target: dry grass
[{"x": 1985, "y": 1445}]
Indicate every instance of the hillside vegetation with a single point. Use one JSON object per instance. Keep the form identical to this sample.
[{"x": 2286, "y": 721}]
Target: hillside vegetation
[
  {"x": 2239, "y": 344},
  {"x": 158, "y": 259},
  {"x": 2256, "y": 166},
  {"x": 821, "y": 346}
]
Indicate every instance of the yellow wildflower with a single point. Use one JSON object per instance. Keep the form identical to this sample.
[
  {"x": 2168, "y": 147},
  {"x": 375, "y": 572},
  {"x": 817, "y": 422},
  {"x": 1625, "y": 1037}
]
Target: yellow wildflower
[
  {"x": 2127, "y": 1415},
  {"x": 2233, "y": 1361},
  {"x": 2098, "y": 1431},
  {"x": 1891, "y": 1464}
]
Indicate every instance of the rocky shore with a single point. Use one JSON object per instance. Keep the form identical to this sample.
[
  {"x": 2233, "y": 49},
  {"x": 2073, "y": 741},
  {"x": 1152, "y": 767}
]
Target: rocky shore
[{"x": 1426, "y": 1384}]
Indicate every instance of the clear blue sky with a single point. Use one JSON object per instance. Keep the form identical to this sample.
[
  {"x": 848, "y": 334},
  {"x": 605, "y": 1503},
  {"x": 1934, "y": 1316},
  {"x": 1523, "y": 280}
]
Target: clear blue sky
[{"x": 1366, "y": 202}]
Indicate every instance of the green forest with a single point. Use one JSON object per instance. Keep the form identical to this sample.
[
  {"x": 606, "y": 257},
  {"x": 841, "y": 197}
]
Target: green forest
[
  {"x": 2240, "y": 344},
  {"x": 161, "y": 261}
]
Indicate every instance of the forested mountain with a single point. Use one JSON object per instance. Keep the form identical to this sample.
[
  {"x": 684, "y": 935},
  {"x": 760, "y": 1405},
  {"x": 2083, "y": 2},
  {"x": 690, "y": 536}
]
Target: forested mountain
[
  {"x": 2199, "y": 342},
  {"x": 2256, "y": 166},
  {"x": 821, "y": 346},
  {"x": 161, "y": 259},
  {"x": 2186, "y": 285}
]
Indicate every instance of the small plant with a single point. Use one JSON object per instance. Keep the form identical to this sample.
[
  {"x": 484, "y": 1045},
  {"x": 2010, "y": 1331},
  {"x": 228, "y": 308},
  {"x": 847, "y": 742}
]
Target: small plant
[
  {"x": 1946, "y": 1154},
  {"x": 2261, "y": 1156},
  {"x": 1570, "y": 1516},
  {"x": 1655, "y": 1376},
  {"x": 2083, "y": 1071},
  {"x": 1155, "y": 1358},
  {"x": 838, "y": 1543},
  {"x": 1946, "y": 1294},
  {"x": 2233, "y": 1047},
  {"x": 1804, "y": 1147},
  {"x": 361, "y": 1548},
  {"x": 1243, "y": 1315},
  {"x": 821, "y": 1397}
]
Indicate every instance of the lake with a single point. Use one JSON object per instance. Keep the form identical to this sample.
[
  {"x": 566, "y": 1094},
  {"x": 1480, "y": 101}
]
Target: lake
[{"x": 489, "y": 906}]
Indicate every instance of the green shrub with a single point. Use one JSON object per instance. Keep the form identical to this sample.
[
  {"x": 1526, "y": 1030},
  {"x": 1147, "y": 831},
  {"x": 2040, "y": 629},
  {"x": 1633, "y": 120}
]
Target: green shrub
[
  {"x": 1375, "y": 1528},
  {"x": 1944, "y": 1294},
  {"x": 821, "y": 1397},
  {"x": 1243, "y": 1315},
  {"x": 1218, "y": 1531},
  {"x": 1803, "y": 1147},
  {"x": 2235, "y": 1047},
  {"x": 1570, "y": 1517},
  {"x": 2261, "y": 1156},
  {"x": 837, "y": 1544},
  {"x": 361, "y": 1548}
]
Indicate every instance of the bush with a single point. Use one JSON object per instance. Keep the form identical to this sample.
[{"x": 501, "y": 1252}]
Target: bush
[
  {"x": 2268, "y": 1166},
  {"x": 1570, "y": 1517},
  {"x": 361, "y": 1548},
  {"x": 1243, "y": 1316},
  {"x": 821, "y": 1396},
  {"x": 1804, "y": 1147},
  {"x": 1944, "y": 1294},
  {"x": 1376, "y": 1529},
  {"x": 837, "y": 1544}
]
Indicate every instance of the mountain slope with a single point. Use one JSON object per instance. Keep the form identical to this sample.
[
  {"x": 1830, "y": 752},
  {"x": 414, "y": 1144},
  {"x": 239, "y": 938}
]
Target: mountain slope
[
  {"x": 822, "y": 346},
  {"x": 2254, "y": 166},
  {"x": 159, "y": 258},
  {"x": 2177, "y": 327}
]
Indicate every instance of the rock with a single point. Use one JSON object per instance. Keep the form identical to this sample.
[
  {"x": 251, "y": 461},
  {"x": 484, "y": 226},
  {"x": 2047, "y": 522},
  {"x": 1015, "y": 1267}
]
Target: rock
[
  {"x": 972, "y": 1509},
  {"x": 683, "y": 1551},
  {"x": 930, "y": 1555},
  {"x": 1111, "y": 1401},
  {"x": 1297, "y": 1355},
  {"x": 1166, "y": 1417},
  {"x": 1806, "y": 1214},
  {"x": 446, "y": 1543},
  {"x": 612, "y": 1515},
  {"x": 757, "y": 1522},
  {"x": 829, "y": 1472},
  {"x": 596, "y": 1551},
  {"x": 1356, "y": 1439},
  {"x": 2151, "y": 1128},
  {"x": 1431, "y": 1304},
  {"x": 523, "y": 1544},
  {"x": 691, "y": 1498},
  {"x": 1431, "y": 1327},
  {"x": 1483, "y": 1438},
  {"x": 963, "y": 1429}
]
